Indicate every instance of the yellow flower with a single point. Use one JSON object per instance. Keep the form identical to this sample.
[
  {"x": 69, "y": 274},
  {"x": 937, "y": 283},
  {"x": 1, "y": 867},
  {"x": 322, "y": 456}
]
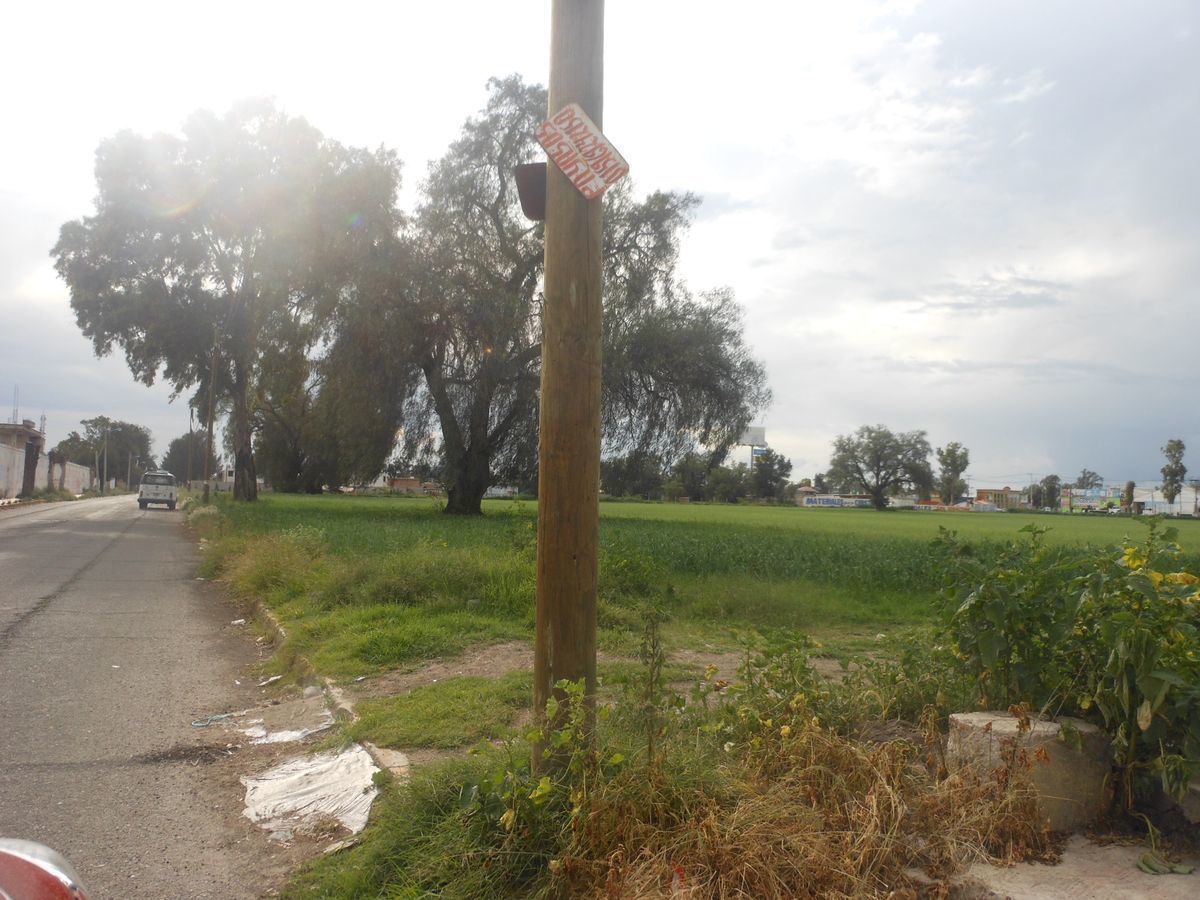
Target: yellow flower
[
  {"x": 1133, "y": 558},
  {"x": 1156, "y": 577},
  {"x": 785, "y": 731},
  {"x": 1182, "y": 578}
]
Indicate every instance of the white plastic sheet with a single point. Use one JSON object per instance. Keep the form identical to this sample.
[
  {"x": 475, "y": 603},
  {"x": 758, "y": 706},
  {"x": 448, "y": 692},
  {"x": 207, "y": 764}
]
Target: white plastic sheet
[{"x": 324, "y": 784}]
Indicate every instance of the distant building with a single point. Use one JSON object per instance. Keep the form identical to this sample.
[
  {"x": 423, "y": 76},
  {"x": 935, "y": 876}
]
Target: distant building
[
  {"x": 1000, "y": 498},
  {"x": 834, "y": 500},
  {"x": 803, "y": 492},
  {"x": 412, "y": 486},
  {"x": 21, "y": 448}
]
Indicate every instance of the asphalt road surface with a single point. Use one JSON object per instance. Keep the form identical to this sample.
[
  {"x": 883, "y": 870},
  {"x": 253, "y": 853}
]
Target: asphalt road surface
[{"x": 109, "y": 649}]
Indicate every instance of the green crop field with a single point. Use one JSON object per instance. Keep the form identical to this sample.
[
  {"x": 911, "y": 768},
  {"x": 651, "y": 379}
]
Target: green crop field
[
  {"x": 398, "y": 581},
  {"x": 917, "y": 525}
]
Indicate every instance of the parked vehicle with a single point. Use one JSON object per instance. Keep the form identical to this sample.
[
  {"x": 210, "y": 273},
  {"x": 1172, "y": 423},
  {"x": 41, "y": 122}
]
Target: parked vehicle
[{"x": 158, "y": 487}]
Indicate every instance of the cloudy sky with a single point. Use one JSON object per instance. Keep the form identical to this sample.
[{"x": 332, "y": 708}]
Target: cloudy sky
[{"x": 980, "y": 219}]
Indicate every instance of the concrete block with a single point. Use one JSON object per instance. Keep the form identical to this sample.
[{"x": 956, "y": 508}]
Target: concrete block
[
  {"x": 1190, "y": 804},
  {"x": 1069, "y": 761}
]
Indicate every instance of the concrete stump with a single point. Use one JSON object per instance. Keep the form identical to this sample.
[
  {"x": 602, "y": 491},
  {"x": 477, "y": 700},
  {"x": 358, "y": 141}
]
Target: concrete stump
[{"x": 1070, "y": 761}]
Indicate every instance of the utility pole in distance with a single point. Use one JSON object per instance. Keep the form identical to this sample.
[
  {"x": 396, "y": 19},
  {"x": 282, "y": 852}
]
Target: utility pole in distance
[{"x": 569, "y": 441}]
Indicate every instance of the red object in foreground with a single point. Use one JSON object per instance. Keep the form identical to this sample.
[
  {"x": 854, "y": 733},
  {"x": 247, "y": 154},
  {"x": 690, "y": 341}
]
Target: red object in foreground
[{"x": 30, "y": 871}]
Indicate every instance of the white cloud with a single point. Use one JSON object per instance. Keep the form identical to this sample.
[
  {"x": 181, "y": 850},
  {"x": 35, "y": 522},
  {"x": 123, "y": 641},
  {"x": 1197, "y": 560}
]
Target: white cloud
[
  {"x": 948, "y": 217},
  {"x": 1028, "y": 87}
]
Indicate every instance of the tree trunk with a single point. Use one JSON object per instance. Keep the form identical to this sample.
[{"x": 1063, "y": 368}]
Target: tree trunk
[
  {"x": 245, "y": 484},
  {"x": 29, "y": 477},
  {"x": 471, "y": 478}
]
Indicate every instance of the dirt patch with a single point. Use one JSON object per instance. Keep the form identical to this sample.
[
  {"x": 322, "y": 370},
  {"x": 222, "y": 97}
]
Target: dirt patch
[
  {"x": 196, "y": 754},
  {"x": 493, "y": 661},
  {"x": 497, "y": 660},
  {"x": 478, "y": 662},
  {"x": 423, "y": 756},
  {"x": 725, "y": 661}
]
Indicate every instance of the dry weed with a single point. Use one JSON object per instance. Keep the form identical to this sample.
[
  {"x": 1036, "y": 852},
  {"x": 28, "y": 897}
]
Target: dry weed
[{"x": 814, "y": 815}]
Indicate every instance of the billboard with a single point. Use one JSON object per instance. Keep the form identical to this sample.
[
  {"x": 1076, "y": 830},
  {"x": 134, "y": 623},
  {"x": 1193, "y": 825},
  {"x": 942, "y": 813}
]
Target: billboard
[{"x": 755, "y": 436}]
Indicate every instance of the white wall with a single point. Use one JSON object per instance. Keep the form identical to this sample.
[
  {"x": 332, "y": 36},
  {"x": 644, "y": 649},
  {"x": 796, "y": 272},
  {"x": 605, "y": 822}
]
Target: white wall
[
  {"x": 12, "y": 471},
  {"x": 75, "y": 478}
]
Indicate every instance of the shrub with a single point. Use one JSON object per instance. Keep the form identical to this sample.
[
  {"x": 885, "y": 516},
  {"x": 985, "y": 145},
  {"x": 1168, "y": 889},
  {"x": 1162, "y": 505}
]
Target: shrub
[
  {"x": 1110, "y": 635},
  {"x": 739, "y": 792}
]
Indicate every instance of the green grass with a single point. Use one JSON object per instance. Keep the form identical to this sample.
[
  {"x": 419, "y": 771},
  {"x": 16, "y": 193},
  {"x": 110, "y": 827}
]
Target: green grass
[
  {"x": 456, "y": 712},
  {"x": 374, "y": 583},
  {"x": 365, "y": 585},
  {"x": 898, "y": 524}
]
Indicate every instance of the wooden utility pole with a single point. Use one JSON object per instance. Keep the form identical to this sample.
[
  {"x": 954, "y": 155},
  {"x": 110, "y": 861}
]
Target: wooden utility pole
[
  {"x": 569, "y": 442},
  {"x": 212, "y": 392},
  {"x": 191, "y": 428}
]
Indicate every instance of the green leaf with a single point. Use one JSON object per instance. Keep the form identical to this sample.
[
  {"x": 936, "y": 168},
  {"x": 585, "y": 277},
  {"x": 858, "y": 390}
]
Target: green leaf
[
  {"x": 1141, "y": 584},
  {"x": 468, "y": 794},
  {"x": 991, "y": 644}
]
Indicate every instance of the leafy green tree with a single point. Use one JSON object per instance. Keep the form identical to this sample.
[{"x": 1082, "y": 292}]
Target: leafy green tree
[
  {"x": 190, "y": 446},
  {"x": 1174, "y": 471},
  {"x": 821, "y": 485},
  {"x": 769, "y": 476},
  {"x": 1127, "y": 496},
  {"x": 633, "y": 475},
  {"x": 322, "y": 421},
  {"x": 879, "y": 463},
  {"x": 1051, "y": 487},
  {"x": 461, "y": 329},
  {"x": 208, "y": 248},
  {"x": 1088, "y": 479},
  {"x": 692, "y": 471},
  {"x": 114, "y": 448},
  {"x": 953, "y": 460},
  {"x": 729, "y": 484}
]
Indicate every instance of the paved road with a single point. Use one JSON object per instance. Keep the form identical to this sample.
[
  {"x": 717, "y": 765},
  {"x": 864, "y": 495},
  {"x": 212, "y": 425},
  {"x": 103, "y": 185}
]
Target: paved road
[{"x": 109, "y": 648}]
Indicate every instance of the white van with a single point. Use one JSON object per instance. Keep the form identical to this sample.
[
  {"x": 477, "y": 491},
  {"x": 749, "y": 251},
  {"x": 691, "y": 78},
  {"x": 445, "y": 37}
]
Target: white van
[{"x": 158, "y": 487}]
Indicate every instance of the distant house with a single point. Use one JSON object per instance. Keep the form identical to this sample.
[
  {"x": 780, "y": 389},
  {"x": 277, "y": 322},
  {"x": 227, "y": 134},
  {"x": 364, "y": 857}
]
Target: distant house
[
  {"x": 1000, "y": 498},
  {"x": 404, "y": 485},
  {"x": 501, "y": 492},
  {"x": 412, "y": 486},
  {"x": 803, "y": 492}
]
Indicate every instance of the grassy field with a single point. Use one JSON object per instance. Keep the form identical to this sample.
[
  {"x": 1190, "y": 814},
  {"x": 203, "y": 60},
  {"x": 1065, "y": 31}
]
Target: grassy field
[
  {"x": 1078, "y": 528},
  {"x": 374, "y": 582},
  {"x": 377, "y": 588}
]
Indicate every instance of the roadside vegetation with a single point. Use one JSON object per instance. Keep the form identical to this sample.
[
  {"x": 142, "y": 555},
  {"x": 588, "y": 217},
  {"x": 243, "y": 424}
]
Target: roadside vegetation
[{"x": 716, "y": 730}]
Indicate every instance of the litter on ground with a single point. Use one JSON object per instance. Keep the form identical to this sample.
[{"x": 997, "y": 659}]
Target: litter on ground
[{"x": 337, "y": 785}]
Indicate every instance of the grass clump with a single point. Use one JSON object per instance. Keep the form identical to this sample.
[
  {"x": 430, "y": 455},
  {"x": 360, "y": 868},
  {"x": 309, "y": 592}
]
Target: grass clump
[
  {"x": 739, "y": 790},
  {"x": 454, "y": 713},
  {"x": 204, "y": 519}
]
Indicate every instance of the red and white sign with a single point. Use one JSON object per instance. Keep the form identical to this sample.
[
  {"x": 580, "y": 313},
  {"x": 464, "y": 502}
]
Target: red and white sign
[{"x": 581, "y": 151}]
